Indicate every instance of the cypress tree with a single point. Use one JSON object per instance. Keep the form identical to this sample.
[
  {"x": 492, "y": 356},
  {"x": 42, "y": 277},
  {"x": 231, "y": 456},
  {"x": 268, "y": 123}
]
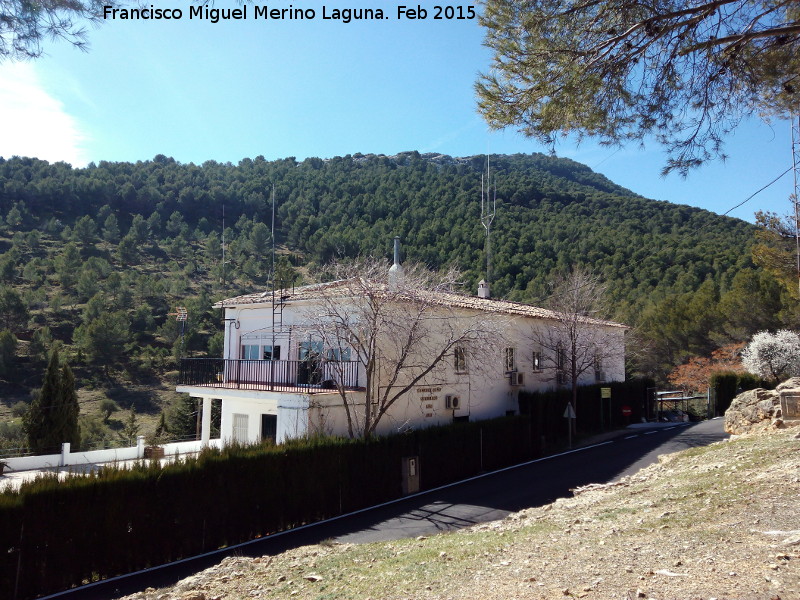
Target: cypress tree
[
  {"x": 39, "y": 420},
  {"x": 8, "y": 348},
  {"x": 68, "y": 409},
  {"x": 53, "y": 416}
]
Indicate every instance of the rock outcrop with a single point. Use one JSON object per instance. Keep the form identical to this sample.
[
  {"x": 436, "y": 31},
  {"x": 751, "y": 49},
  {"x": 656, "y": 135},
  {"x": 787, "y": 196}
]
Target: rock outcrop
[{"x": 758, "y": 409}]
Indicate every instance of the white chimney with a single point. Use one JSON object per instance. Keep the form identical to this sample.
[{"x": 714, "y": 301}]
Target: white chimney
[
  {"x": 396, "y": 271},
  {"x": 483, "y": 289}
]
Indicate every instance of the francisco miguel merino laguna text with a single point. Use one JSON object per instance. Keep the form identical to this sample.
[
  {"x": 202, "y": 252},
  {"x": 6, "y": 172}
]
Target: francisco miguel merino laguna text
[
  {"x": 344, "y": 15},
  {"x": 215, "y": 15}
]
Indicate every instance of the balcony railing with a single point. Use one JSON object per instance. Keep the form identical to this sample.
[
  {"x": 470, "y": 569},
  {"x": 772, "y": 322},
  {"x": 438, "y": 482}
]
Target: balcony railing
[{"x": 309, "y": 376}]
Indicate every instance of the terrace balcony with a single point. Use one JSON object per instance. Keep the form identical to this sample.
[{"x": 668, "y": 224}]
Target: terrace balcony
[{"x": 310, "y": 376}]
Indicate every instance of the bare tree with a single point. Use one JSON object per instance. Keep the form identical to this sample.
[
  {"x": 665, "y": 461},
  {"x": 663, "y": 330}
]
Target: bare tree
[
  {"x": 577, "y": 339},
  {"x": 400, "y": 327}
]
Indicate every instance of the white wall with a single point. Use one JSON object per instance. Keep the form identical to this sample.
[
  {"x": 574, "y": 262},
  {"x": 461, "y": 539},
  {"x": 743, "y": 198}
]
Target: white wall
[
  {"x": 485, "y": 390},
  {"x": 112, "y": 455},
  {"x": 255, "y": 322},
  {"x": 291, "y": 410}
]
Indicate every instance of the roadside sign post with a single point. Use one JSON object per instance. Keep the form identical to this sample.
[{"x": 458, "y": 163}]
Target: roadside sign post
[
  {"x": 569, "y": 414},
  {"x": 605, "y": 392}
]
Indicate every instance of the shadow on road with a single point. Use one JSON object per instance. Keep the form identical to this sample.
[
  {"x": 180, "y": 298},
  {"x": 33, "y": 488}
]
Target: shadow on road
[{"x": 495, "y": 495}]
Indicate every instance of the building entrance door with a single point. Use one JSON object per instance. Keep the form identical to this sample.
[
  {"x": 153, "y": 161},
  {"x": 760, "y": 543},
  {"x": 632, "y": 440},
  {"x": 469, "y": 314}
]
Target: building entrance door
[
  {"x": 309, "y": 370},
  {"x": 269, "y": 428}
]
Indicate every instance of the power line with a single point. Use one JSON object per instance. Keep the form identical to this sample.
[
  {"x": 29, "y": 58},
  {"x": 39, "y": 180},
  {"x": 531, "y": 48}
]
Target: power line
[
  {"x": 742, "y": 203},
  {"x": 754, "y": 194}
]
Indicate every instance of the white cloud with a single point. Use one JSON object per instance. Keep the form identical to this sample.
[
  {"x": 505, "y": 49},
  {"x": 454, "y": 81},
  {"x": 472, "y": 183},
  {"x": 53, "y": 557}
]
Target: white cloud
[{"x": 34, "y": 122}]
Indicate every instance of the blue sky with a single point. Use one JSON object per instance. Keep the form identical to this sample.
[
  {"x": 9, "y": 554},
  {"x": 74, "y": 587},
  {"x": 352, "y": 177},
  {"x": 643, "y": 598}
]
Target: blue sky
[{"x": 198, "y": 91}]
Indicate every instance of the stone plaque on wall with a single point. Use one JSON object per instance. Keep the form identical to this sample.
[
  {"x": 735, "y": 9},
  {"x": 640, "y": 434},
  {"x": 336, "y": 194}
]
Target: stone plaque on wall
[{"x": 790, "y": 404}]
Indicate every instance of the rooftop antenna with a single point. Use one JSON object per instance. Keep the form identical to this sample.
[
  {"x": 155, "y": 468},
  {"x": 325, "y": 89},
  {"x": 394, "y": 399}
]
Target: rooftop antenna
[
  {"x": 223, "y": 246},
  {"x": 488, "y": 210},
  {"x": 272, "y": 277},
  {"x": 181, "y": 315}
]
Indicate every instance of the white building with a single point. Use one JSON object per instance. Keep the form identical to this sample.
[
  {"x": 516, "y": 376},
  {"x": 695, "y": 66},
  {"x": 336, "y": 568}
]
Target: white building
[{"x": 282, "y": 376}]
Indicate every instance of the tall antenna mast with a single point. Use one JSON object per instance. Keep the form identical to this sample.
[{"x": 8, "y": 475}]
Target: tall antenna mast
[
  {"x": 273, "y": 237},
  {"x": 223, "y": 245},
  {"x": 272, "y": 348},
  {"x": 796, "y": 195},
  {"x": 488, "y": 210}
]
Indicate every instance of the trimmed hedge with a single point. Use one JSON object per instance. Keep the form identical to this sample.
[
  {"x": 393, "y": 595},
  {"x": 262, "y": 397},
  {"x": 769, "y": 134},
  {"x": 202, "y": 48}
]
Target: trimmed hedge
[
  {"x": 727, "y": 384},
  {"x": 57, "y": 535},
  {"x": 546, "y": 409}
]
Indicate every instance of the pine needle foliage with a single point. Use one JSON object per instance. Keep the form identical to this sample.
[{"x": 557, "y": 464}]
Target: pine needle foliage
[{"x": 682, "y": 72}]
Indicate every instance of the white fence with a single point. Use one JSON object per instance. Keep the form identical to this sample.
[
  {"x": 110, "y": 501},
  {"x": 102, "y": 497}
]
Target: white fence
[{"x": 93, "y": 457}]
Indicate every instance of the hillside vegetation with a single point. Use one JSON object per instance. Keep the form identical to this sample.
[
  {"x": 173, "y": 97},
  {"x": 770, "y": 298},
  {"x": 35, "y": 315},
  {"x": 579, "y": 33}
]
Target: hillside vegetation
[
  {"x": 97, "y": 258},
  {"x": 552, "y": 213}
]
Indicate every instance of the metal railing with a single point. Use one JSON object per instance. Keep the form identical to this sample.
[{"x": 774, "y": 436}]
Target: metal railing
[{"x": 311, "y": 375}]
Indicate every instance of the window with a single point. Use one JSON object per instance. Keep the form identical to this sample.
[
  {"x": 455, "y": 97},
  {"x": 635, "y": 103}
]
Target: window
[
  {"x": 510, "y": 359},
  {"x": 240, "y": 425},
  {"x": 561, "y": 358},
  {"x": 309, "y": 372},
  {"x": 339, "y": 354},
  {"x": 460, "y": 360},
  {"x": 598, "y": 368},
  {"x": 561, "y": 366},
  {"x": 250, "y": 352},
  {"x": 309, "y": 351},
  {"x": 271, "y": 353},
  {"x": 536, "y": 359}
]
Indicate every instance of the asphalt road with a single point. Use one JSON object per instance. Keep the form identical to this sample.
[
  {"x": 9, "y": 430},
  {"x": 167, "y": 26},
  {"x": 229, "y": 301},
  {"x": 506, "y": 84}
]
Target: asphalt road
[
  {"x": 494, "y": 496},
  {"x": 484, "y": 498}
]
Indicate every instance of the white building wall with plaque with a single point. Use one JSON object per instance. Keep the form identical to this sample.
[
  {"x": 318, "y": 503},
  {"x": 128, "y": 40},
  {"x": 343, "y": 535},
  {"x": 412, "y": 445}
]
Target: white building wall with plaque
[{"x": 475, "y": 386}]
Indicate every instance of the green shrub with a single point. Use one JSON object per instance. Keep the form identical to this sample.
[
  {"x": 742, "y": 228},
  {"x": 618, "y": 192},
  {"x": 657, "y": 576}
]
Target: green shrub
[{"x": 728, "y": 384}]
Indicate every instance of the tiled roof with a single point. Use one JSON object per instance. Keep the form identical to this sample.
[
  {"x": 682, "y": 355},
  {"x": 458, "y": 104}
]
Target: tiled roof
[
  {"x": 306, "y": 292},
  {"x": 442, "y": 298}
]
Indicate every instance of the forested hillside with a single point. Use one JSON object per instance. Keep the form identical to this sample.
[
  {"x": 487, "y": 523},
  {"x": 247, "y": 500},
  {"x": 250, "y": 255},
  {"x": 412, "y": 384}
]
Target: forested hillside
[
  {"x": 96, "y": 258},
  {"x": 552, "y": 213}
]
